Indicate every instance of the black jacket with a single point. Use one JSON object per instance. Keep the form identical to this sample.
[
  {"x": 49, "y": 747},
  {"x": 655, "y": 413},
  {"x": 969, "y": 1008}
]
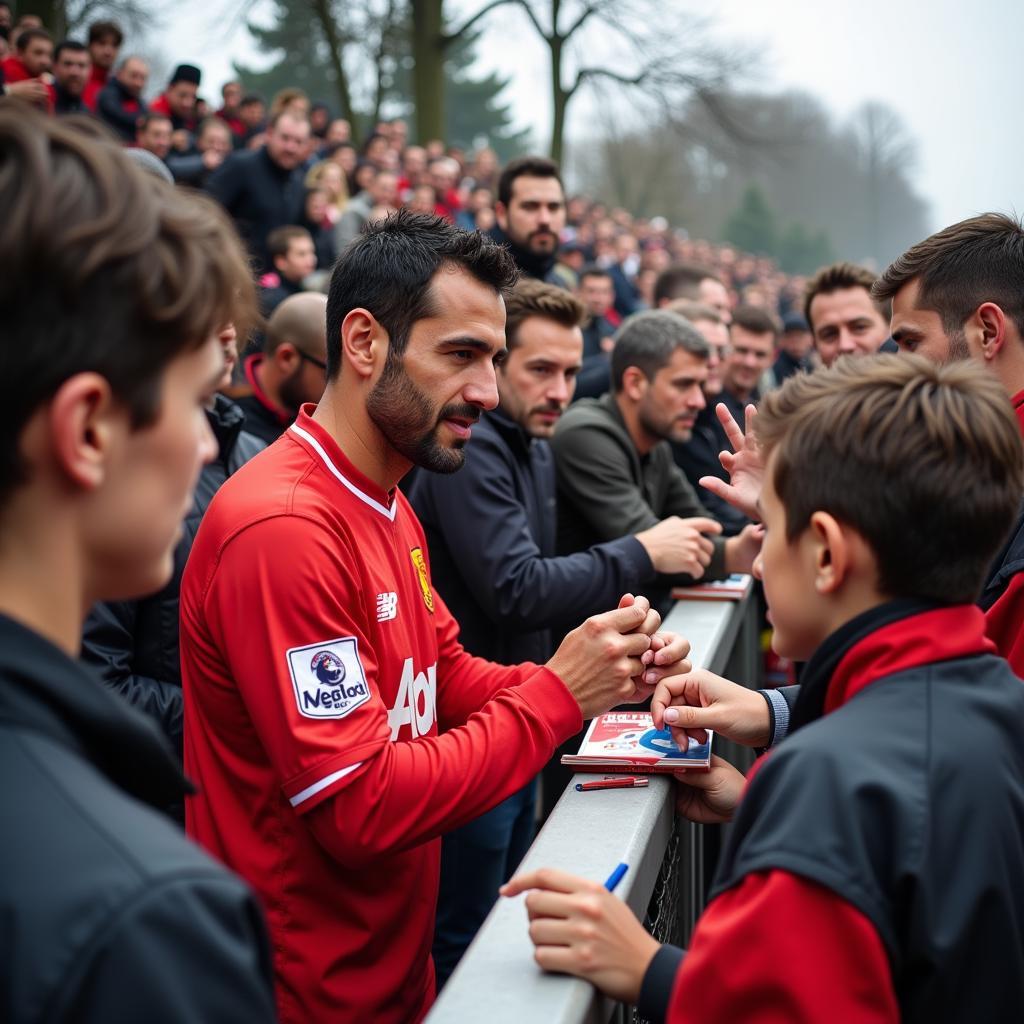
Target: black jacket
[
  {"x": 119, "y": 109},
  {"x": 108, "y": 913},
  {"x": 544, "y": 268},
  {"x": 260, "y": 196},
  {"x": 907, "y": 802},
  {"x": 134, "y": 644},
  {"x": 491, "y": 534}
]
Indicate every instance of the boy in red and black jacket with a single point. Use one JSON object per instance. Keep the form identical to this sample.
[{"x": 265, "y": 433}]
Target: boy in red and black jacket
[{"x": 873, "y": 867}]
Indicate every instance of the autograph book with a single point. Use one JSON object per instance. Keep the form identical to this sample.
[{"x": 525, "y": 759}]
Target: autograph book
[{"x": 626, "y": 741}]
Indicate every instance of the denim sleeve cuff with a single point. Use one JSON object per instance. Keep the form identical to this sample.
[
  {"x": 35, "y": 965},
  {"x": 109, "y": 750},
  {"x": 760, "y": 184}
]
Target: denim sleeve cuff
[
  {"x": 659, "y": 980},
  {"x": 778, "y": 713}
]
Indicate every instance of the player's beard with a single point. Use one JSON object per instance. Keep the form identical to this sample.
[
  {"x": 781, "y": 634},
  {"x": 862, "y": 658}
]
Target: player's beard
[{"x": 410, "y": 421}]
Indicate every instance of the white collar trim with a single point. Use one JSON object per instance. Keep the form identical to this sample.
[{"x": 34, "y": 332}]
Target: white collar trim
[{"x": 388, "y": 513}]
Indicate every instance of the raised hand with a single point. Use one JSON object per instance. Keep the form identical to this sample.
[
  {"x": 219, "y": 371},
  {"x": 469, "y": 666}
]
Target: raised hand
[{"x": 743, "y": 464}]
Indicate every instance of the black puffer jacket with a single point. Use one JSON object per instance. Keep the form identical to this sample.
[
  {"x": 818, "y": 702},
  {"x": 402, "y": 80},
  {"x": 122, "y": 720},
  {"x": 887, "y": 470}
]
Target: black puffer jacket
[{"x": 135, "y": 643}]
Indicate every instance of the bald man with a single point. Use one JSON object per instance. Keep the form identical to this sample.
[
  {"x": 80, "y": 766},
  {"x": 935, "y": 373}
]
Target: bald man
[{"x": 289, "y": 371}]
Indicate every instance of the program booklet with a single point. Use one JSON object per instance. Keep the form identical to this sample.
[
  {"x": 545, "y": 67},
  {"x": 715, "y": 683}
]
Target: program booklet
[
  {"x": 626, "y": 741},
  {"x": 732, "y": 588}
]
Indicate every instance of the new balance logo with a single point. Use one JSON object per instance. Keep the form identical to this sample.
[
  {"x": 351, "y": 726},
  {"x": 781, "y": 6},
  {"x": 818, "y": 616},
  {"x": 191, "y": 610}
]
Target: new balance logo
[{"x": 387, "y": 607}]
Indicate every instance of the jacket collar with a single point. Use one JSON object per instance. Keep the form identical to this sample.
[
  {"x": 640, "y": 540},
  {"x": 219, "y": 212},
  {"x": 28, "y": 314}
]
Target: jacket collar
[
  {"x": 509, "y": 431},
  {"x": 530, "y": 263},
  {"x": 882, "y": 641},
  {"x": 45, "y": 691},
  {"x": 249, "y": 366},
  {"x": 226, "y": 421}
]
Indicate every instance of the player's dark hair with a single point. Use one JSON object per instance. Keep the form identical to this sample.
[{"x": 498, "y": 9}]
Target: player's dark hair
[
  {"x": 389, "y": 269},
  {"x": 106, "y": 269}
]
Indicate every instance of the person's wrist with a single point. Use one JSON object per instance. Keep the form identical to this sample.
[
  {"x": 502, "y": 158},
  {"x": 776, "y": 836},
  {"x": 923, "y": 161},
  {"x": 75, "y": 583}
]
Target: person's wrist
[
  {"x": 639, "y": 963},
  {"x": 730, "y": 554}
]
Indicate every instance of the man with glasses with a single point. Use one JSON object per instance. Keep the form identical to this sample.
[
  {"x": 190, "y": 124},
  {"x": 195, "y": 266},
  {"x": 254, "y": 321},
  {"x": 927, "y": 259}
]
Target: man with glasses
[{"x": 289, "y": 371}]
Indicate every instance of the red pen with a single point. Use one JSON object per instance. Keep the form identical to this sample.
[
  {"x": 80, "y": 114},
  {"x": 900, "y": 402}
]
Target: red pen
[{"x": 614, "y": 782}]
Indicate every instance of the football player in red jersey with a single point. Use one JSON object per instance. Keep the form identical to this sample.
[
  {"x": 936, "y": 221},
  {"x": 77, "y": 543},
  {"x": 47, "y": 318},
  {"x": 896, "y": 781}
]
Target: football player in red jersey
[{"x": 334, "y": 724}]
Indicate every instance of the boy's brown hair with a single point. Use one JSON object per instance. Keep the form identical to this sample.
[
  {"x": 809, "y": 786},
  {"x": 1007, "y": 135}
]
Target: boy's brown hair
[
  {"x": 925, "y": 462},
  {"x": 531, "y": 297},
  {"x": 105, "y": 269}
]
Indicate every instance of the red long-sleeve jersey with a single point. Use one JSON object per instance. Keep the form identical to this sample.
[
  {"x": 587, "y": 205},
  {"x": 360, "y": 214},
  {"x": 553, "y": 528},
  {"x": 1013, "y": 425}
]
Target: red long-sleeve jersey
[{"x": 335, "y": 726}]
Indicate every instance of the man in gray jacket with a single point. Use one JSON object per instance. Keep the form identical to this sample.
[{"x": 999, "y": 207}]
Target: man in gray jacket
[{"x": 616, "y": 474}]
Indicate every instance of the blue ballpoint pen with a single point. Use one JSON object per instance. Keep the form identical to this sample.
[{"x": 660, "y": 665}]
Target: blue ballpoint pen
[{"x": 615, "y": 877}]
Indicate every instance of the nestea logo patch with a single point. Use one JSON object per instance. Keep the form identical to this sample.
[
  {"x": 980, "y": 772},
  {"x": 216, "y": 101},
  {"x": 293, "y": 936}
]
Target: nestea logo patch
[{"x": 328, "y": 678}]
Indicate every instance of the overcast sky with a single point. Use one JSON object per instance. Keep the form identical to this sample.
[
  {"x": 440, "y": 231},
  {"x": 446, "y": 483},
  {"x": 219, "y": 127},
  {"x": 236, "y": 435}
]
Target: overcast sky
[{"x": 951, "y": 69}]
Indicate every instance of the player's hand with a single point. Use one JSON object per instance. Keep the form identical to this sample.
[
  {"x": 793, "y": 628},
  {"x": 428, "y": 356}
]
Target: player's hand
[
  {"x": 598, "y": 660},
  {"x": 741, "y": 550},
  {"x": 743, "y": 464},
  {"x": 709, "y": 797},
  {"x": 578, "y": 927},
  {"x": 688, "y": 704},
  {"x": 681, "y": 545}
]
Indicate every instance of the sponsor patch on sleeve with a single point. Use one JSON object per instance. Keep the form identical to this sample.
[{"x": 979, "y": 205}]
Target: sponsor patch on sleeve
[{"x": 328, "y": 678}]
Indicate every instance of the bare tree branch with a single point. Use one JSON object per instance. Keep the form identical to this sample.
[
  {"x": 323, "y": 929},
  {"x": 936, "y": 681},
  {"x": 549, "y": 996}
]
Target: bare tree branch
[{"x": 448, "y": 38}]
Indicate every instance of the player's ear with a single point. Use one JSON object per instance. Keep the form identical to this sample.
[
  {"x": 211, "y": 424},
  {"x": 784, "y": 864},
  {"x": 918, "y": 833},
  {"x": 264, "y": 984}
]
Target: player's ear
[{"x": 364, "y": 342}]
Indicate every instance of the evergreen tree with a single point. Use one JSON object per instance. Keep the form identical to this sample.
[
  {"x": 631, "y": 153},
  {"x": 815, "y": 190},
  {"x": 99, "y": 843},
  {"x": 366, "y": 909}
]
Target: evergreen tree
[
  {"x": 381, "y": 82},
  {"x": 752, "y": 227},
  {"x": 800, "y": 252}
]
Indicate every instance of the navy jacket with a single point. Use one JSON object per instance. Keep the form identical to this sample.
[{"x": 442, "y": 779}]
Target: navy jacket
[{"x": 491, "y": 531}]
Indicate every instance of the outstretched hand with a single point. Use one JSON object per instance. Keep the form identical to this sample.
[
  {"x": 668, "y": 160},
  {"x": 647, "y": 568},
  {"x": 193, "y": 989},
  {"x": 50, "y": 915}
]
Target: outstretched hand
[{"x": 743, "y": 464}]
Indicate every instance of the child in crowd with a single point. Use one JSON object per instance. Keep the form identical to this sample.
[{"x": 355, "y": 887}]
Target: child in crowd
[{"x": 873, "y": 868}]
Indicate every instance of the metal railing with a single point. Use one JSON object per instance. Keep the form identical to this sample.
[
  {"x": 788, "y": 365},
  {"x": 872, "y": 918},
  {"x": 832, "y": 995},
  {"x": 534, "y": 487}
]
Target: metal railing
[{"x": 497, "y": 981}]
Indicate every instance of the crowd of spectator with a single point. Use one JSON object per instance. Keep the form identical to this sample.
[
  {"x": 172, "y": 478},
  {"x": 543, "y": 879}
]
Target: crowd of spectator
[
  {"x": 286, "y": 160},
  {"x": 606, "y": 366}
]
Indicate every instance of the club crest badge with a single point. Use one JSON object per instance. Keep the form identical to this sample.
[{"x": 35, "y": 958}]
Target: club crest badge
[{"x": 420, "y": 564}]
